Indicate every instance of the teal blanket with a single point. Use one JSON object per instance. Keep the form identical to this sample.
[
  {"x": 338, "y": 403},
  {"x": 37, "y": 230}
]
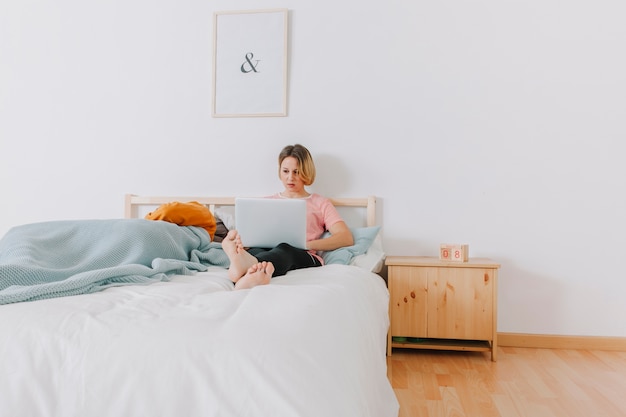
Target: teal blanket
[{"x": 61, "y": 258}]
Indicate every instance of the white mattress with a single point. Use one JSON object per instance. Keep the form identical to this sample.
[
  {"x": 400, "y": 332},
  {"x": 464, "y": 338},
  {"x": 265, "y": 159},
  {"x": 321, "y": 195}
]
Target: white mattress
[{"x": 312, "y": 343}]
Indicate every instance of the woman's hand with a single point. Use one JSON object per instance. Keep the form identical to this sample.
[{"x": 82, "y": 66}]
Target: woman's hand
[{"x": 340, "y": 236}]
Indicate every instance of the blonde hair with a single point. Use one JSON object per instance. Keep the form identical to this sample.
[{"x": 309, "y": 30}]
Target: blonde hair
[{"x": 305, "y": 161}]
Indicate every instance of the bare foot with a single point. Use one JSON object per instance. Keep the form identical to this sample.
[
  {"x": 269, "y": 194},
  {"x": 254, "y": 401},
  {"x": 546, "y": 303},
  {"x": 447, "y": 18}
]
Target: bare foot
[
  {"x": 258, "y": 274},
  {"x": 240, "y": 259}
]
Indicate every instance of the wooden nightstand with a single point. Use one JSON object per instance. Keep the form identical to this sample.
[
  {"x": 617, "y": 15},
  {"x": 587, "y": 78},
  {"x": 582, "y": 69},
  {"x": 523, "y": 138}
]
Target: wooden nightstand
[{"x": 442, "y": 305}]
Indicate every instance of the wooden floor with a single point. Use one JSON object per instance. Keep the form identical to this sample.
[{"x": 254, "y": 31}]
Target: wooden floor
[{"x": 523, "y": 383}]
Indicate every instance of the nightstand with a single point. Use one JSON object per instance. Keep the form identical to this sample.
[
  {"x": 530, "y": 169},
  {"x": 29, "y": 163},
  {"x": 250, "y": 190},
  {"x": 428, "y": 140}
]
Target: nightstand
[{"x": 442, "y": 305}]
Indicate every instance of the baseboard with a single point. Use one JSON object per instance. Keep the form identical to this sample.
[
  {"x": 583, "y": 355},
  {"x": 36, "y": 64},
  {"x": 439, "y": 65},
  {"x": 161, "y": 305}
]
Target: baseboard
[{"x": 562, "y": 342}]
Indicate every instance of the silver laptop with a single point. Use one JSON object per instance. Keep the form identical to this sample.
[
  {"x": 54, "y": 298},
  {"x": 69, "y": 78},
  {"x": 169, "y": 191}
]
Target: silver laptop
[{"x": 267, "y": 222}]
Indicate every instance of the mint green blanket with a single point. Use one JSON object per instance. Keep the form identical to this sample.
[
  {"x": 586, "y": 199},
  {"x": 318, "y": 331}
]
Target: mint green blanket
[{"x": 61, "y": 258}]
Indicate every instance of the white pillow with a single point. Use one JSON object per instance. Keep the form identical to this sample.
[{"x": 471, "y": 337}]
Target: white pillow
[
  {"x": 226, "y": 215},
  {"x": 372, "y": 260}
]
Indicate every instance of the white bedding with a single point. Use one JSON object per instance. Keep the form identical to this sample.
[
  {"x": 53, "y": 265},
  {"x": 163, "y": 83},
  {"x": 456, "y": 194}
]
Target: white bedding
[{"x": 312, "y": 343}]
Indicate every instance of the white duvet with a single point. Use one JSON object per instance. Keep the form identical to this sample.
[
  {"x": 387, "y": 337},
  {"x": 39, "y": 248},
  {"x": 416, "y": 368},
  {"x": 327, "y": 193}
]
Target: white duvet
[{"x": 312, "y": 343}]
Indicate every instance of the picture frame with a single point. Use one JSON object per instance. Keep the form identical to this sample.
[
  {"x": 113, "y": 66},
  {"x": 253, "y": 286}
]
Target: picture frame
[{"x": 250, "y": 63}]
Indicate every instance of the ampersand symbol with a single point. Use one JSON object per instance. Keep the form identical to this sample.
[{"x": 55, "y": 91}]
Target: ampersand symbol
[{"x": 251, "y": 66}]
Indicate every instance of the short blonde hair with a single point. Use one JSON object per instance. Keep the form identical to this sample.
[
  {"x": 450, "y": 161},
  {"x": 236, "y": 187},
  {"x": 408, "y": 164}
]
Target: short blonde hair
[{"x": 306, "y": 166}]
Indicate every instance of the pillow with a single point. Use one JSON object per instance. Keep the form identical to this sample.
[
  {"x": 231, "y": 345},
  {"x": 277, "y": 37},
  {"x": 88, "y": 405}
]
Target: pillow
[
  {"x": 185, "y": 214},
  {"x": 363, "y": 238},
  {"x": 372, "y": 260},
  {"x": 226, "y": 215}
]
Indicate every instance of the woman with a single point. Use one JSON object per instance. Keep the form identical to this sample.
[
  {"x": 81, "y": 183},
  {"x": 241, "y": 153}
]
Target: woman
[{"x": 256, "y": 266}]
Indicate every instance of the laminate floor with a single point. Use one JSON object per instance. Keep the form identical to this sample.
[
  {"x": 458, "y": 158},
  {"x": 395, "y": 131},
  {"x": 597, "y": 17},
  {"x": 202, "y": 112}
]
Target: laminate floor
[{"x": 523, "y": 382}]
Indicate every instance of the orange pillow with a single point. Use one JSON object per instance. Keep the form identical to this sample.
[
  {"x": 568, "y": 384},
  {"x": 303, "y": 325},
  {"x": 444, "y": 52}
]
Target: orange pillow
[{"x": 186, "y": 214}]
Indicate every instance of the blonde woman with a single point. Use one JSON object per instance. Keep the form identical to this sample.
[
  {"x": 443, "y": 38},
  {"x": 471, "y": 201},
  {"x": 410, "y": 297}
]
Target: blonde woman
[{"x": 256, "y": 266}]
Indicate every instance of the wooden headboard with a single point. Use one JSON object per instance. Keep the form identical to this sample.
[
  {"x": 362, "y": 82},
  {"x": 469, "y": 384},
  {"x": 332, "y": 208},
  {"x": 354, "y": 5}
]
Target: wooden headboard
[{"x": 133, "y": 202}]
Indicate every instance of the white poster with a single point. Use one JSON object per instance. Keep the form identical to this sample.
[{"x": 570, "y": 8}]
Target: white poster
[{"x": 250, "y": 63}]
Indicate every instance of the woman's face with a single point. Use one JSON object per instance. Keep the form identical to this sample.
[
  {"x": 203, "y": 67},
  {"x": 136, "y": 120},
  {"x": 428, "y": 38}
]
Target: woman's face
[{"x": 290, "y": 175}]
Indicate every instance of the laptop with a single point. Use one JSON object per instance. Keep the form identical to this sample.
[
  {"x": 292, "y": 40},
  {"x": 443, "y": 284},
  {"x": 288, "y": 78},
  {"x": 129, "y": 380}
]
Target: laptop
[{"x": 267, "y": 222}]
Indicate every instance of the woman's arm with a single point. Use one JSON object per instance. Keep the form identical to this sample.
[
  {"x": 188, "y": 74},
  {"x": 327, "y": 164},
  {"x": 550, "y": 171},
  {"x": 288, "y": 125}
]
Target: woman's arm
[{"x": 340, "y": 236}]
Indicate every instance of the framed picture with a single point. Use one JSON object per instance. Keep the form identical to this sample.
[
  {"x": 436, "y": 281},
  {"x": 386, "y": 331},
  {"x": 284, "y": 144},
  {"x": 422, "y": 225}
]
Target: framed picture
[{"x": 250, "y": 63}]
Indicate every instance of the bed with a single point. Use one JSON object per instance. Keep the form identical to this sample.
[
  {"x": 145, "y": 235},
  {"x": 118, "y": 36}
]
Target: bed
[{"x": 184, "y": 343}]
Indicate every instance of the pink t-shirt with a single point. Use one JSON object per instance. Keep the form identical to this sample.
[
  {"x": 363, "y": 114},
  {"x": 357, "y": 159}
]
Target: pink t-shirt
[{"x": 321, "y": 215}]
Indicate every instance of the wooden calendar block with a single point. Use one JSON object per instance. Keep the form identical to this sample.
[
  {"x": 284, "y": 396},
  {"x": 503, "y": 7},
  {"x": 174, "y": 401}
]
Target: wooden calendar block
[
  {"x": 453, "y": 253},
  {"x": 444, "y": 252}
]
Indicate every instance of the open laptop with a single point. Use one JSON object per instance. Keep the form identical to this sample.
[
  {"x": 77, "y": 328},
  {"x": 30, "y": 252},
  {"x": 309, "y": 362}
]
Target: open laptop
[{"x": 267, "y": 222}]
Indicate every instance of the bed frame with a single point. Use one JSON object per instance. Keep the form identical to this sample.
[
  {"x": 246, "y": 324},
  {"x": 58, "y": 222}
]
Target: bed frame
[{"x": 133, "y": 202}]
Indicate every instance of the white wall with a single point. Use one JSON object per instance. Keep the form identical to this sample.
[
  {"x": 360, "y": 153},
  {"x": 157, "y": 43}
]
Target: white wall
[{"x": 494, "y": 123}]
